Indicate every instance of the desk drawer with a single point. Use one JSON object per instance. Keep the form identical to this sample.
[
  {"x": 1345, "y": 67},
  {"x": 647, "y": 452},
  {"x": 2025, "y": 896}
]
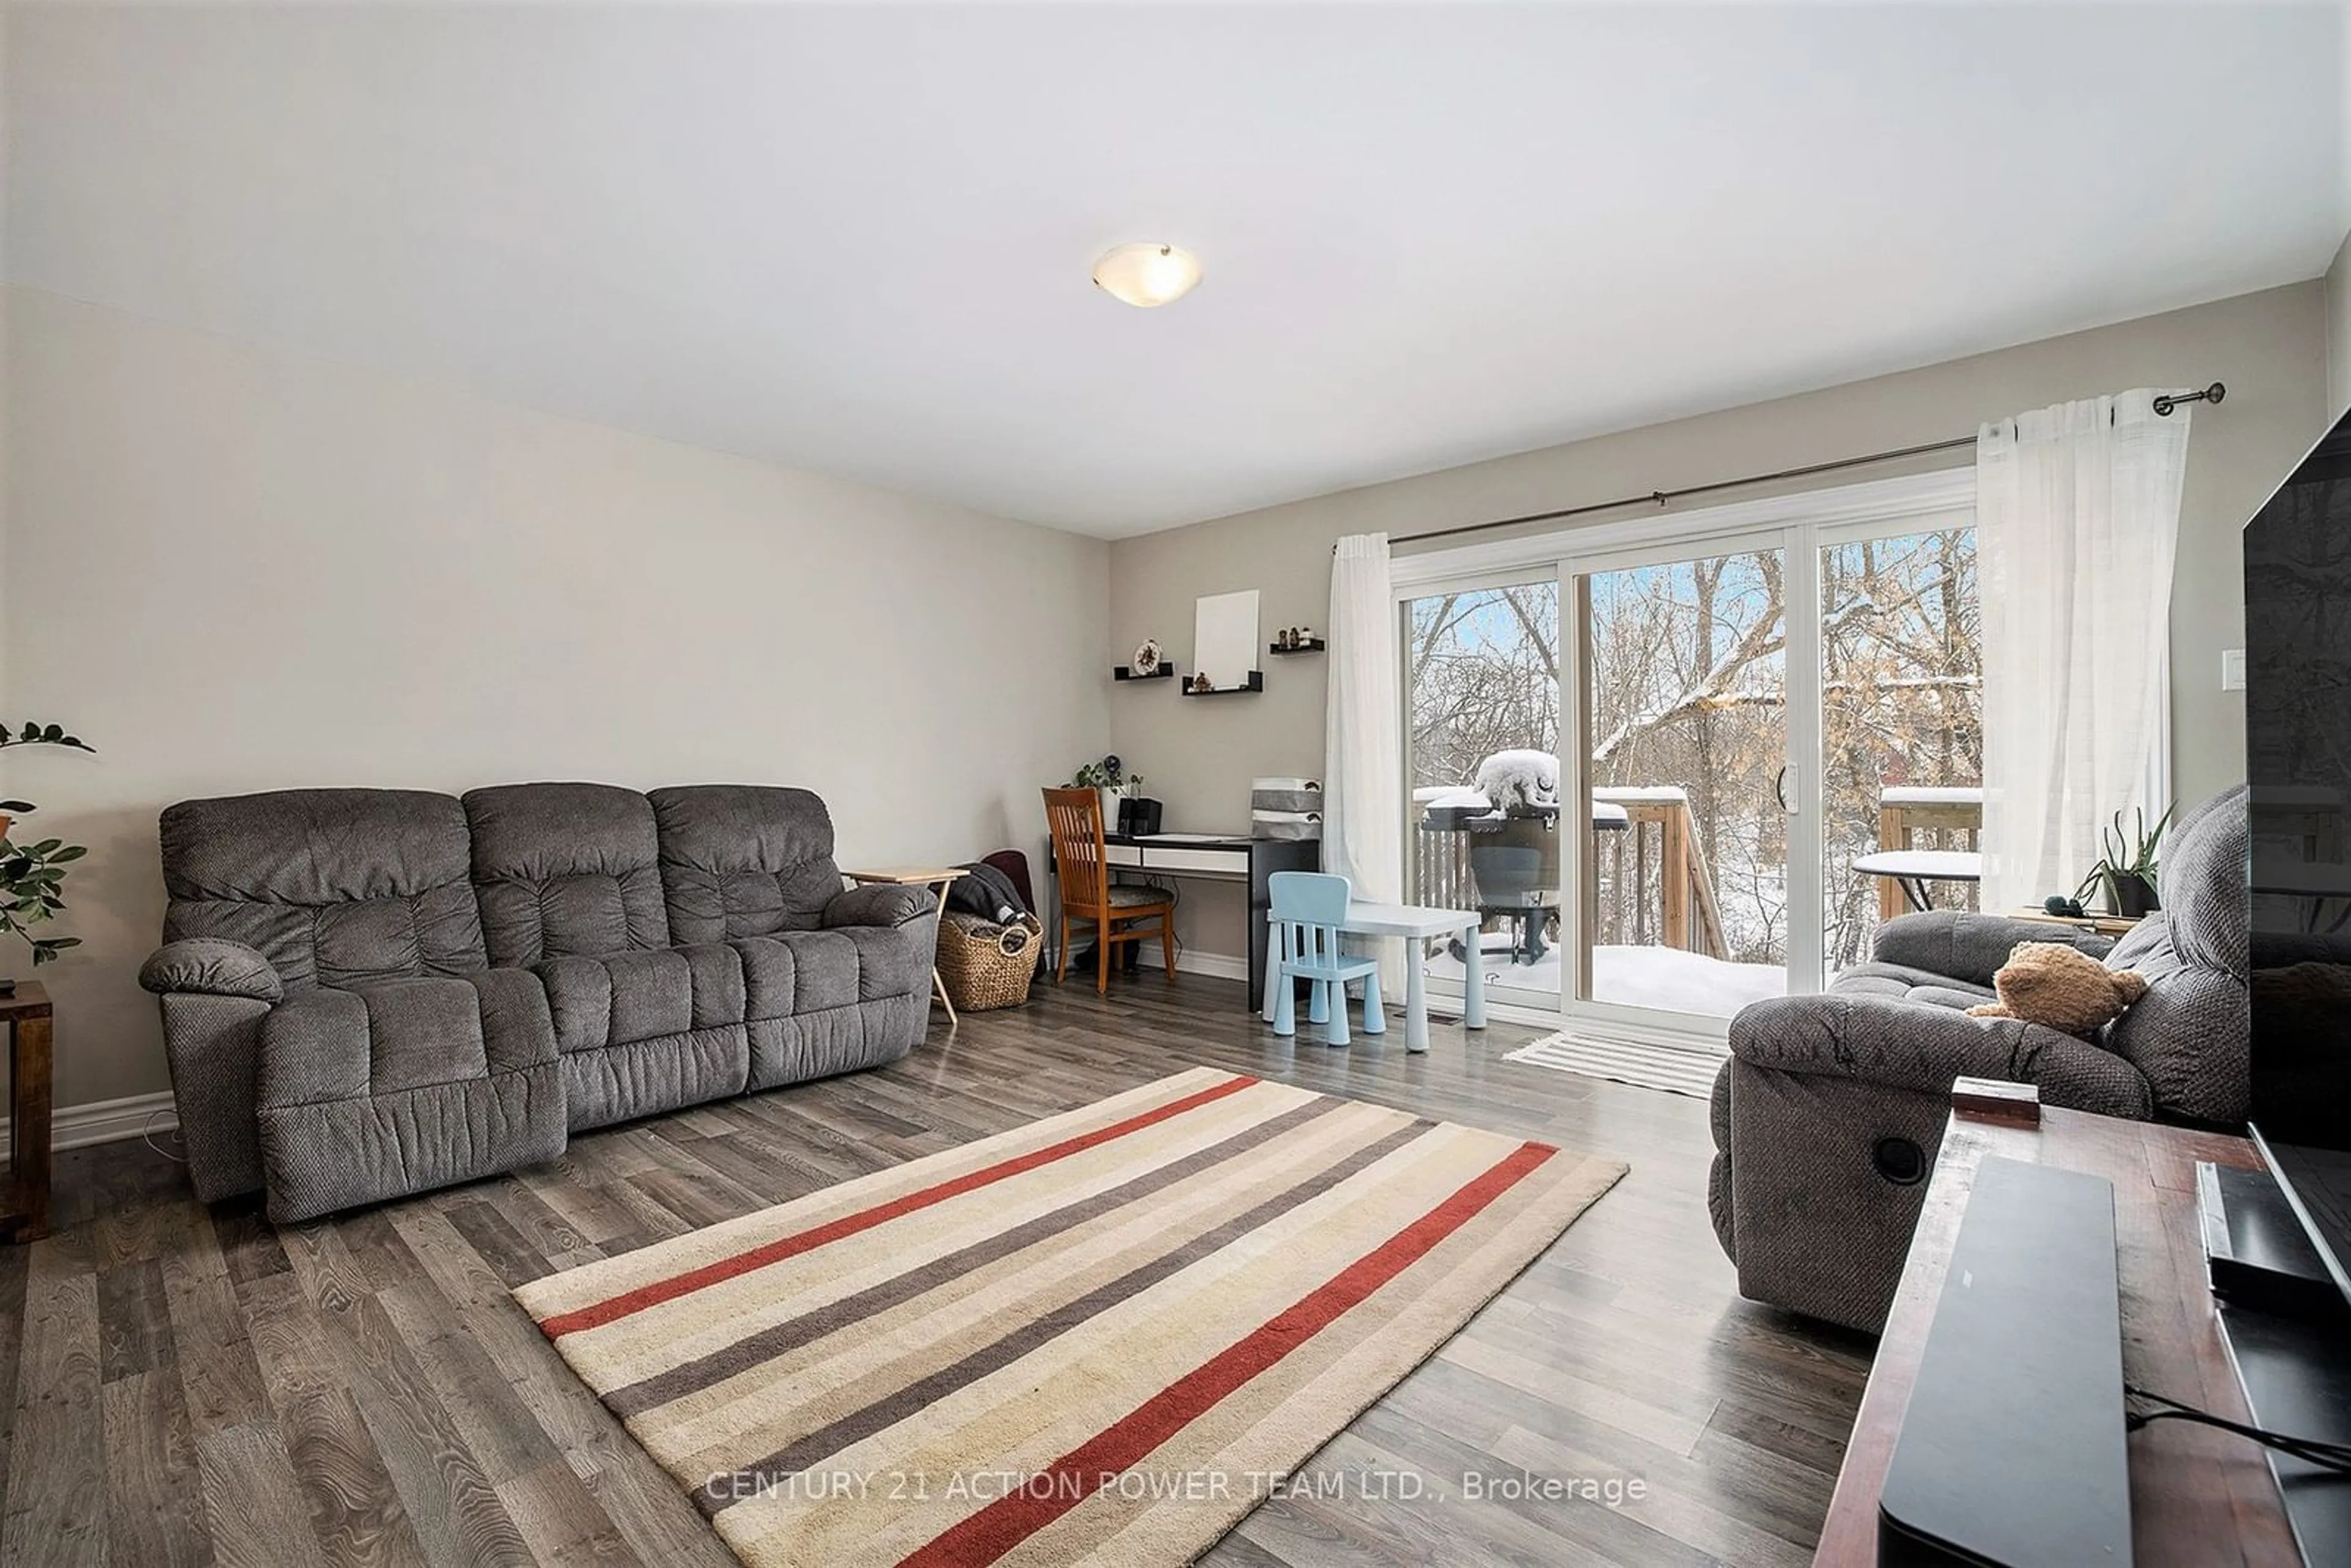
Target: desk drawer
[
  {"x": 1123, "y": 854},
  {"x": 1198, "y": 862}
]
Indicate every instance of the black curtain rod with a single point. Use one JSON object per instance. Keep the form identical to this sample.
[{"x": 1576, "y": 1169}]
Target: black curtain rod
[{"x": 2164, "y": 403}]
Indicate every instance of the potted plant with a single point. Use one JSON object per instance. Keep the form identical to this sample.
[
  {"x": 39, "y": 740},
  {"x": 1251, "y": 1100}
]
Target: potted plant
[
  {"x": 1107, "y": 777},
  {"x": 31, "y": 874},
  {"x": 2127, "y": 870}
]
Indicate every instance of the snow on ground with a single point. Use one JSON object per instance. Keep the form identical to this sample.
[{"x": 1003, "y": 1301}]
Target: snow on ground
[{"x": 1662, "y": 978}]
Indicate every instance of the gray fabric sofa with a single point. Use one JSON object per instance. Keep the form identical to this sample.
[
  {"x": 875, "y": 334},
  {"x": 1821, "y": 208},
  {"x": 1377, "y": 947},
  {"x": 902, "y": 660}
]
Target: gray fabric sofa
[
  {"x": 1827, "y": 1117},
  {"x": 368, "y": 993}
]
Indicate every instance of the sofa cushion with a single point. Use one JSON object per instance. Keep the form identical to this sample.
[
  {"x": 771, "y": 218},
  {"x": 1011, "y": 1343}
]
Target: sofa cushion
[
  {"x": 796, "y": 973},
  {"x": 622, "y": 998},
  {"x": 565, "y": 869},
  {"x": 894, "y": 960},
  {"x": 404, "y": 1084},
  {"x": 1904, "y": 984},
  {"x": 333, "y": 1043},
  {"x": 744, "y": 860},
  {"x": 332, "y": 887},
  {"x": 2191, "y": 1035}
]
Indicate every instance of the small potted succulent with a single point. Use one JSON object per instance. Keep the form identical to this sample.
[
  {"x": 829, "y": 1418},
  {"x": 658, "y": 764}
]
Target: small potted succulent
[
  {"x": 2127, "y": 873},
  {"x": 32, "y": 874}
]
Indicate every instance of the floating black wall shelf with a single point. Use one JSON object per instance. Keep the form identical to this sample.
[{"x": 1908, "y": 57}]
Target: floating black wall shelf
[
  {"x": 1315, "y": 646},
  {"x": 1256, "y": 683},
  {"x": 1126, "y": 673}
]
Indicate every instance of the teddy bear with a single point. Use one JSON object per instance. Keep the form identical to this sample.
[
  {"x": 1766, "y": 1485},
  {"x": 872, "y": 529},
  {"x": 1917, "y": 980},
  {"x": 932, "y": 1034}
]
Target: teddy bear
[{"x": 2062, "y": 986}]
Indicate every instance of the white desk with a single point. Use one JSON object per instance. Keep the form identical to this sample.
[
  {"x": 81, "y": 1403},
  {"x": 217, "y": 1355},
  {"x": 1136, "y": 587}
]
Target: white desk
[
  {"x": 1212, "y": 857},
  {"x": 1416, "y": 922}
]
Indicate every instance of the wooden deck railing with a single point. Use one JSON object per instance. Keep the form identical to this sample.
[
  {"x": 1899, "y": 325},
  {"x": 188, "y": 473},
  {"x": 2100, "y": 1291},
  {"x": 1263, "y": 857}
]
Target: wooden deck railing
[
  {"x": 1653, "y": 867},
  {"x": 1947, "y": 817},
  {"x": 1440, "y": 870},
  {"x": 1688, "y": 916}
]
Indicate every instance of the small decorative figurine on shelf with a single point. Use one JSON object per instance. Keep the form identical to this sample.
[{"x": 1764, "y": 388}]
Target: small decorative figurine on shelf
[{"x": 1201, "y": 682}]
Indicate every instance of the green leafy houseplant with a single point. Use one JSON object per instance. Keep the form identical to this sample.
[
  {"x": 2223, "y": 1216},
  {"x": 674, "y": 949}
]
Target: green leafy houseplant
[
  {"x": 32, "y": 874},
  {"x": 1107, "y": 774},
  {"x": 1109, "y": 777},
  {"x": 2127, "y": 872}
]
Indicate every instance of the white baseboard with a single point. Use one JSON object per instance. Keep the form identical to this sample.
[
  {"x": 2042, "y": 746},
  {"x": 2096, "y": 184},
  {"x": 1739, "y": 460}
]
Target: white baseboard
[
  {"x": 106, "y": 1120},
  {"x": 1190, "y": 961}
]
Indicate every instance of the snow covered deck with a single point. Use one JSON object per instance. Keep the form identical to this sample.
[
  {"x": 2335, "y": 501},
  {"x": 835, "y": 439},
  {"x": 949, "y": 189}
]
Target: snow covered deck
[{"x": 1665, "y": 978}]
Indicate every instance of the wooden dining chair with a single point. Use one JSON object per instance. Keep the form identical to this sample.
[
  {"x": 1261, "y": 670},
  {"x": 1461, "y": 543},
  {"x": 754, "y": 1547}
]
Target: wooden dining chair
[{"x": 1081, "y": 865}]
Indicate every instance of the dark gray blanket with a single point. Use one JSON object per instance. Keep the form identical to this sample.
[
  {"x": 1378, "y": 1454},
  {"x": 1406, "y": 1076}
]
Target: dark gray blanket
[{"x": 987, "y": 891}]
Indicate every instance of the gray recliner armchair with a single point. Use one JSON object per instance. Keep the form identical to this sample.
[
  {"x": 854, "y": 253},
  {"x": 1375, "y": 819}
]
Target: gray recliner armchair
[
  {"x": 1828, "y": 1115},
  {"x": 368, "y": 993}
]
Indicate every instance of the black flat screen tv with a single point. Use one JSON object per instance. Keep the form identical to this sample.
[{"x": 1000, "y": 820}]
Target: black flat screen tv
[{"x": 2298, "y": 760}]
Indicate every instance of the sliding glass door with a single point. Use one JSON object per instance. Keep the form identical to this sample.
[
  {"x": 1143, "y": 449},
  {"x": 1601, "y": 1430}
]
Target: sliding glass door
[
  {"x": 1902, "y": 730},
  {"x": 1482, "y": 739},
  {"x": 1682, "y": 675},
  {"x": 1674, "y": 779}
]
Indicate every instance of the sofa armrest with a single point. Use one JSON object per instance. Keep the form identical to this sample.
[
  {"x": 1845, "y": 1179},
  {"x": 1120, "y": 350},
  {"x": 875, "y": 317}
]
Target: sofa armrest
[
  {"x": 213, "y": 1046},
  {"x": 415, "y": 1033},
  {"x": 211, "y": 966},
  {"x": 1967, "y": 946},
  {"x": 1905, "y": 1045},
  {"x": 880, "y": 903}
]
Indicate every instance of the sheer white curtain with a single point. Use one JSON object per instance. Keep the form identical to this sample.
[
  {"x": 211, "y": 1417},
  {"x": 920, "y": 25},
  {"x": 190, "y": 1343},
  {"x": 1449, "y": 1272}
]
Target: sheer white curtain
[
  {"x": 2077, "y": 519},
  {"x": 1363, "y": 752}
]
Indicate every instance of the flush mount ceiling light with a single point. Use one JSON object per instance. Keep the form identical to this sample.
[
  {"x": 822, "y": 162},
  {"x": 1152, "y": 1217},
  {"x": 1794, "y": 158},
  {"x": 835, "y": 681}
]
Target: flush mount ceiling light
[{"x": 1145, "y": 274}]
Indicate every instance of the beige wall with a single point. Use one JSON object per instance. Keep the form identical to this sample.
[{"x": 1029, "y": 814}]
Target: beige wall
[
  {"x": 2268, "y": 348},
  {"x": 234, "y": 569}
]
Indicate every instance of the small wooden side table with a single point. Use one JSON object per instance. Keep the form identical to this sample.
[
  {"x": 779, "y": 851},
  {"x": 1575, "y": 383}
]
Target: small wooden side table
[
  {"x": 939, "y": 879},
  {"x": 24, "y": 1212}
]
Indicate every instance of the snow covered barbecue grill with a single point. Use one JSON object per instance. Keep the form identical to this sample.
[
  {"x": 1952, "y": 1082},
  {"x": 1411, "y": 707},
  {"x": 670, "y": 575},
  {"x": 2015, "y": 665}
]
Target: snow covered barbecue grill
[
  {"x": 1502, "y": 861},
  {"x": 1658, "y": 941},
  {"x": 1470, "y": 853}
]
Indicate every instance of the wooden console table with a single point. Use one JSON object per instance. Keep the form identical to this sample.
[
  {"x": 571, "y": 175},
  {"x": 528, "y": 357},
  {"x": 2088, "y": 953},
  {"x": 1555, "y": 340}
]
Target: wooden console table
[
  {"x": 2198, "y": 1496},
  {"x": 25, "y": 1208}
]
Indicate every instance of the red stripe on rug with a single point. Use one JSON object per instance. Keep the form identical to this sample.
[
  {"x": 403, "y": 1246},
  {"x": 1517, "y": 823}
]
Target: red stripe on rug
[
  {"x": 655, "y": 1293},
  {"x": 985, "y": 1536}
]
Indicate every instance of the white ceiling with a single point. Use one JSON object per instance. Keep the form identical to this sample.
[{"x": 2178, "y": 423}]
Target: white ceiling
[{"x": 857, "y": 239}]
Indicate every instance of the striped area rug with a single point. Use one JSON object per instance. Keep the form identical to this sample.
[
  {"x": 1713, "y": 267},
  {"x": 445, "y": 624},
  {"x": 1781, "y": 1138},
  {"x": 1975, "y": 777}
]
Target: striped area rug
[{"x": 1101, "y": 1338}]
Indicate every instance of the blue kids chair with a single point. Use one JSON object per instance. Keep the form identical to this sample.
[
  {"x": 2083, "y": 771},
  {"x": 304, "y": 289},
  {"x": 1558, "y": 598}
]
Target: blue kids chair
[{"x": 1308, "y": 909}]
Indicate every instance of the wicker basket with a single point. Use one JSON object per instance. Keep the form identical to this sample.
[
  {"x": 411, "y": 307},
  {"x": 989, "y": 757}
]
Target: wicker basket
[{"x": 985, "y": 964}]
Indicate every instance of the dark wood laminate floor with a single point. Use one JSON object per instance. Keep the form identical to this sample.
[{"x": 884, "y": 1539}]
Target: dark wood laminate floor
[{"x": 188, "y": 1385}]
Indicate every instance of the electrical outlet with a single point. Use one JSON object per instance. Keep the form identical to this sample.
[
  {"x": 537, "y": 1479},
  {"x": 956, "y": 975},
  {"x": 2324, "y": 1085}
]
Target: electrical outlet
[{"x": 2232, "y": 669}]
